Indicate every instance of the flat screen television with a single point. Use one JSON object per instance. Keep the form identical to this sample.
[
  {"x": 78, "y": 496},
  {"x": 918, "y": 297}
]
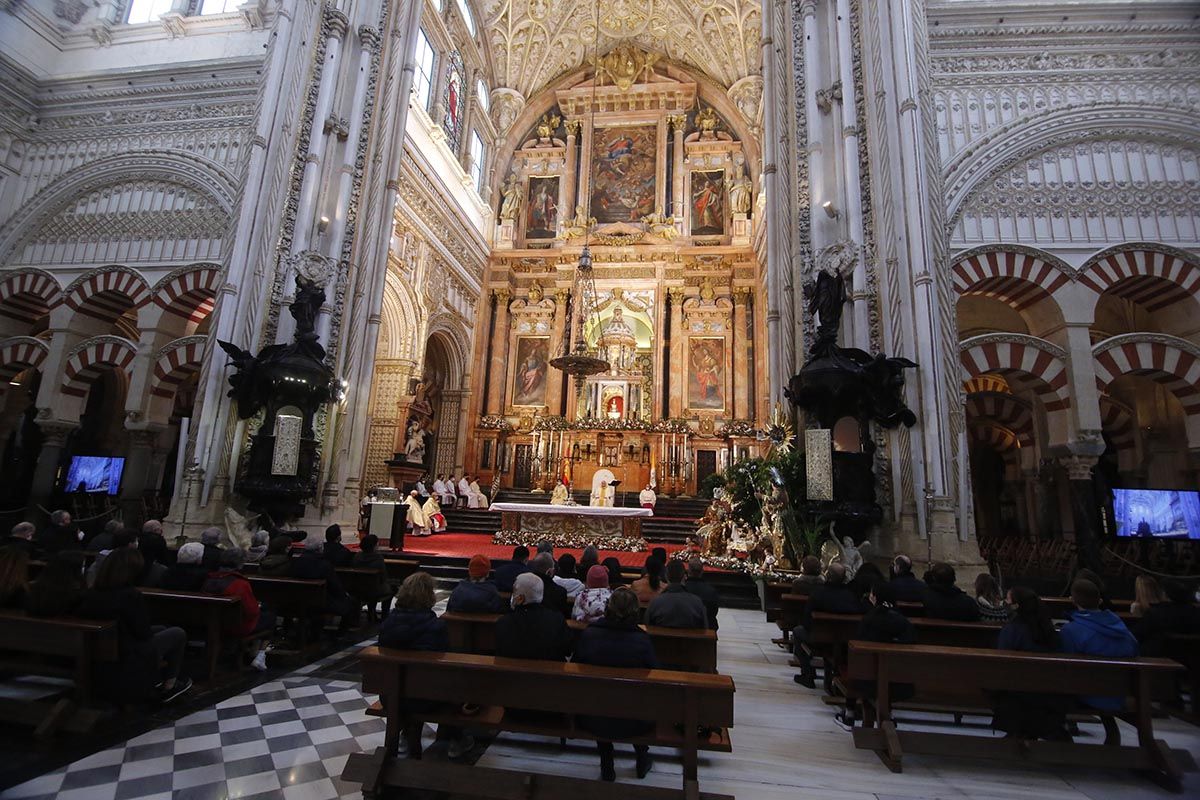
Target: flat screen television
[
  {"x": 96, "y": 474},
  {"x": 1157, "y": 513}
]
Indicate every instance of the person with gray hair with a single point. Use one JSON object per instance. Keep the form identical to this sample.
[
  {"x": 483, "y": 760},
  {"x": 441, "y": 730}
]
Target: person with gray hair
[
  {"x": 312, "y": 565},
  {"x": 21, "y": 538},
  {"x": 61, "y": 535},
  {"x": 153, "y": 527},
  {"x": 188, "y": 572},
  {"x": 258, "y": 546},
  {"x": 104, "y": 540},
  {"x": 211, "y": 539},
  {"x": 545, "y": 547},
  {"x": 554, "y": 596},
  {"x": 532, "y": 630}
]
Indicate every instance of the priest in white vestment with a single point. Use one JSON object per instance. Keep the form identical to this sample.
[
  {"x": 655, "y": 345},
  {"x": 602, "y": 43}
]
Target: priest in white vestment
[
  {"x": 473, "y": 498},
  {"x": 477, "y": 493},
  {"x": 561, "y": 494},
  {"x": 416, "y": 515},
  {"x": 602, "y": 497},
  {"x": 433, "y": 514}
]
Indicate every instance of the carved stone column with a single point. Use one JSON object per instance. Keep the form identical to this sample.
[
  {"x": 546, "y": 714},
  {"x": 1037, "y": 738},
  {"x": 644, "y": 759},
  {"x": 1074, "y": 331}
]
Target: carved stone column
[
  {"x": 567, "y": 199},
  {"x": 54, "y": 439},
  {"x": 1084, "y": 509},
  {"x": 139, "y": 463},
  {"x": 743, "y": 367},
  {"x": 554, "y": 386},
  {"x": 677, "y": 371},
  {"x": 677, "y": 123},
  {"x": 499, "y": 354}
]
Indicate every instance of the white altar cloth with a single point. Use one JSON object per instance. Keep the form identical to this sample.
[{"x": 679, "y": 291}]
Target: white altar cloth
[{"x": 572, "y": 511}]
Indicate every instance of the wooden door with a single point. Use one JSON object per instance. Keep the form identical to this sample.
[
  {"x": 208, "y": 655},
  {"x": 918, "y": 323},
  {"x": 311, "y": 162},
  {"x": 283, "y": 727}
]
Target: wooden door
[
  {"x": 522, "y": 464},
  {"x": 706, "y": 464}
]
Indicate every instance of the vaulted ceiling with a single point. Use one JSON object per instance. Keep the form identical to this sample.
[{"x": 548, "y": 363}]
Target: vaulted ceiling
[{"x": 534, "y": 41}]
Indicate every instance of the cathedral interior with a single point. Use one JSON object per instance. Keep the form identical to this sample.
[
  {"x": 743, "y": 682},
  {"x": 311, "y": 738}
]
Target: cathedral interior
[{"x": 310, "y": 250}]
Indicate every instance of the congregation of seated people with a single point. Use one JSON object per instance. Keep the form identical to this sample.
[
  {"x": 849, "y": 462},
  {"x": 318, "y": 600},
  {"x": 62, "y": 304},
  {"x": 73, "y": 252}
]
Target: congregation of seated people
[{"x": 1024, "y": 623}]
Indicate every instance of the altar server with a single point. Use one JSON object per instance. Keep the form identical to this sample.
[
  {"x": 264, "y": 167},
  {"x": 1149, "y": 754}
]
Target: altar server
[
  {"x": 477, "y": 493},
  {"x": 473, "y": 498},
  {"x": 444, "y": 494},
  {"x": 647, "y": 497}
]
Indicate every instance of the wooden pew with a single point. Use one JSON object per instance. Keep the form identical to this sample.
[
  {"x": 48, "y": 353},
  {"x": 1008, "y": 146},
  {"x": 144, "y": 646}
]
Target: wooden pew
[
  {"x": 63, "y": 647},
  {"x": 529, "y": 696},
  {"x": 773, "y": 605},
  {"x": 359, "y": 583},
  {"x": 932, "y": 668},
  {"x": 400, "y": 568},
  {"x": 195, "y": 611},
  {"x": 290, "y": 597},
  {"x": 687, "y": 649},
  {"x": 1063, "y": 607},
  {"x": 1185, "y": 648}
]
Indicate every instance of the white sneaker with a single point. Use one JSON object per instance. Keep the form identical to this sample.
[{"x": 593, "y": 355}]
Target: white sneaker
[
  {"x": 460, "y": 747},
  {"x": 260, "y": 661}
]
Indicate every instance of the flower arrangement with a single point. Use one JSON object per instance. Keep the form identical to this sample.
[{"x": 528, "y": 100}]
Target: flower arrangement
[
  {"x": 674, "y": 425},
  {"x": 738, "y": 427},
  {"x": 511, "y": 538},
  {"x": 495, "y": 422}
]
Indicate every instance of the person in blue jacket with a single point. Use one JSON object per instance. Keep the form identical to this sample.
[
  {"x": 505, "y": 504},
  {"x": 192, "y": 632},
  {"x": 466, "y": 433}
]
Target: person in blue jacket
[
  {"x": 1095, "y": 632},
  {"x": 476, "y": 595}
]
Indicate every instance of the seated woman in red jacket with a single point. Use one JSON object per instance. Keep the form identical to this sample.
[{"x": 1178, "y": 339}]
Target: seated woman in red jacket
[{"x": 226, "y": 581}]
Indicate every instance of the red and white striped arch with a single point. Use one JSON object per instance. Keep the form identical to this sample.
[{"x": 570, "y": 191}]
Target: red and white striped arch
[
  {"x": 1004, "y": 409},
  {"x": 86, "y": 364},
  {"x": 107, "y": 294},
  {"x": 1117, "y": 422},
  {"x": 175, "y": 366},
  {"x": 1016, "y": 278},
  {"x": 995, "y": 437},
  {"x": 986, "y": 383},
  {"x": 19, "y": 354},
  {"x": 1049, "y": 372},
  {"x": 27, "y": 294},
  {"x": 190, "y": 295},
  {"x": 1175, "y": 369},
  {"x": 1152, "y": 278}
]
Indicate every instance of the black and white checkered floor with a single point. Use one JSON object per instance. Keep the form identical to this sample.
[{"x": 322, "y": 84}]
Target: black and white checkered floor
[{"x": 288, "y": 738}]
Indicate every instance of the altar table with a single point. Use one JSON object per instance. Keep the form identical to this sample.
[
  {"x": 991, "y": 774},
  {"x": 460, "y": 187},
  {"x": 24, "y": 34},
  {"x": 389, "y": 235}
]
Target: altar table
[{"x": 571, "y": 526}]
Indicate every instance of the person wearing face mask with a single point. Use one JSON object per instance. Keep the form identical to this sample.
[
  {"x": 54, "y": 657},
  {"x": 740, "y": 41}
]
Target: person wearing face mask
[{"x": 532, "y": 630}]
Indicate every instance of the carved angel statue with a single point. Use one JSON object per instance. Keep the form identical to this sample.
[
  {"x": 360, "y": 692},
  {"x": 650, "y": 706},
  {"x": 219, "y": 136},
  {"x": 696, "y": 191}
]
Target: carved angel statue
[
  {"x": 510, "y": 205},
  {"x": 243, "y": 382},
  {"x": 706, "y": 120},
  {"x": 547, "y": 126},
  {"x": 578, "y": 227},
  {"x": 659, "y": 225},
  {"x": 740, "y": 190}
]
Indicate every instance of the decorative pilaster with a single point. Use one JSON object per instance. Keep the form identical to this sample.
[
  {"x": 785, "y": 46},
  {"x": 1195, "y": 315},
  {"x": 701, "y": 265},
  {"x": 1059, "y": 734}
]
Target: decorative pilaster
[
  {"x": 743, "y": 366},
  {"x": 567, "y": 199},
  {"x": 499, "y": 346},
  {"x": 677, "y": 122},
  {"x": 554, "y": 387},
  {"x": 677, "y": 371}
]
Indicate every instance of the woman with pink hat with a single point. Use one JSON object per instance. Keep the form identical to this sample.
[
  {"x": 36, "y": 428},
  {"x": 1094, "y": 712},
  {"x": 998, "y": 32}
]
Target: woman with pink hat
[{"x": 591, "y": 602}]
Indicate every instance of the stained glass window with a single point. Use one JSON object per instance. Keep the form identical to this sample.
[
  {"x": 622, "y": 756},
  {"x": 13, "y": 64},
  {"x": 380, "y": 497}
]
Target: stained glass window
[{"x": 454, "y": 100}]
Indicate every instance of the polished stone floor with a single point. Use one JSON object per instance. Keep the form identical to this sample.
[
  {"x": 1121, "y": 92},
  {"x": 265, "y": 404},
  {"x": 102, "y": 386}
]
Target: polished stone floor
[{"x": 289, "y": 738}]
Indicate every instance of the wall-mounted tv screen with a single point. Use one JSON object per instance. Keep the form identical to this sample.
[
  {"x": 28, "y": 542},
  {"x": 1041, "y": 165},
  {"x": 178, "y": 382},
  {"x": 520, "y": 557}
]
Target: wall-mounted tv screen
[
  {"x": 1157, "y": 513},
  {"x": 99, "y": 474}
]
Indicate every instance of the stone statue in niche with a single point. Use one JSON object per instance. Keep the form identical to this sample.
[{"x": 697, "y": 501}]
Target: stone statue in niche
[
  {"x": 414, "y": 441},
  {"x": 510, "y": 205},
  {"x": 739, "y": 190}
]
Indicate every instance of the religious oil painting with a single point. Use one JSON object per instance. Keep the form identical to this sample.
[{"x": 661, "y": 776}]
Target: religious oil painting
[
  {"x": 708, "y": 203},
  {"x": 529, "y": 379},
  {"x": 624, "y": 174},
  {"x": 706, "y": 373},
  {"x": 541, "y": 213}
]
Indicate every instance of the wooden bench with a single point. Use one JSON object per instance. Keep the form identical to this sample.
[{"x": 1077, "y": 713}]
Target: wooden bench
[
  {"x": 1185, "y": 648},
  {"x": 686, "y": 649},
  {"x": 529, "y": 697},
  {"x": 62, "y": 647},
  {"x": 1063, "y": 607},
  {"x": 932, "y": 669},
  {"x": 299, "y": 599},
  {"x": 209, "y": 613},
  {"x": 400, "y": 568}
]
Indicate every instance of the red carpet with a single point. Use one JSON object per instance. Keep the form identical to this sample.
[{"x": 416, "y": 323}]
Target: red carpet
[{"x": 465, "y": 545}]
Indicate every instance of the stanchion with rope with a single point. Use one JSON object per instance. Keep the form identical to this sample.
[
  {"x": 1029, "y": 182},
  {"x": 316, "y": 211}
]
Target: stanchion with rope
[
  {"x": 1140, "y": 568},
  {"x": 81, "y": 520}
]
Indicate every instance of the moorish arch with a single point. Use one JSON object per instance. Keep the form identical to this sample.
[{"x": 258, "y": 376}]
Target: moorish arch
[
  {"x": 1038, "y": 363},
  {"x": 18, "y": 354},
  {"x": 174, "y": 364},
  {"x": 1171, "y": 362},
  {"x": 26, "y": 297},
  {"x": 99, "y": 298},
  {"x": 187, "y": 296}
]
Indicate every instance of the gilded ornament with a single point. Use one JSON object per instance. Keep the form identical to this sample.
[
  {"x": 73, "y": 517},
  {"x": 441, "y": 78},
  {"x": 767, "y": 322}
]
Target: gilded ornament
[{"x": 625, "y": 64}]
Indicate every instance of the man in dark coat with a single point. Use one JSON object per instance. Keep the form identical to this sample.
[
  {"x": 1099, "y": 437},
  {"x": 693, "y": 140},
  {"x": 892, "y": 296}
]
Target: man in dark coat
[
  {"x": 1179, "y": 614},
  {"x": 476, "y": 595},
  {"x": 60, "y": 535},
  {"x": 554, "y": 596},
  {"x": 704, "y": 590},
  {"x": 532, "y": 630},
  {"x": 311, "y": 565},
  {"x": 834, "y": 597},
  {"x": 908, "y": 588},
  {"x": 507, "y": 573},
  {"x": 944, "y": 600},
  {"x": 335, "y": 552},
  {"x": 882, "y": 623},
  {"x": 675, "y": 607},
  {"x": 21, "y": 538}
]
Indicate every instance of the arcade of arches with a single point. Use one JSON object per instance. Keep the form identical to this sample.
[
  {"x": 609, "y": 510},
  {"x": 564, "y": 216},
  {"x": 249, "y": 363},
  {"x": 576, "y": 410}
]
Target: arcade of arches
[{"x": 1013, "y": 205}]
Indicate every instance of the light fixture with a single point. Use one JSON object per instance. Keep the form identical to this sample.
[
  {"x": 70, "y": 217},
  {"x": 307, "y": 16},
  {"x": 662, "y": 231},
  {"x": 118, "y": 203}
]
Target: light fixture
[
  {"x": 580, "y": 360},
  {"x": 830, "y": 209},
  {"x": 323, "y": 225}
]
